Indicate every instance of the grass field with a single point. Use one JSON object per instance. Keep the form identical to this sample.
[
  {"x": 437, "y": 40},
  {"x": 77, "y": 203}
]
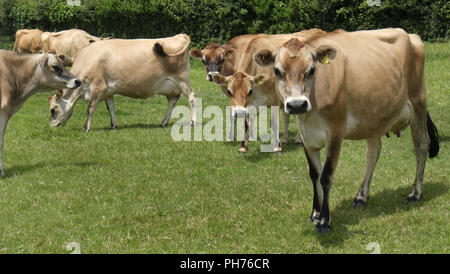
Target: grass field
[{"x": 134, "y": 190}]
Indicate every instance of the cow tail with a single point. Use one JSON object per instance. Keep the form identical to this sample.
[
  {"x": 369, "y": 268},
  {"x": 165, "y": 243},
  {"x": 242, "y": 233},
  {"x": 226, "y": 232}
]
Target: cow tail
[
  {"x": 434, "y": 137},
  {"x": 159, "y": 50}
]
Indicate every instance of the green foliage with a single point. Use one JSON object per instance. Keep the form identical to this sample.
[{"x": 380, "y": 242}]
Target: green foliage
[{"x": 220, "y": 20}]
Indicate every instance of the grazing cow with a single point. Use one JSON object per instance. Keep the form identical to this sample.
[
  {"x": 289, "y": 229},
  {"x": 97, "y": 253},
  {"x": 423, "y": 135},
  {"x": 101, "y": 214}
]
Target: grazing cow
[
  {"x": 22, "y": 75},
  {"x": 134, "y": 68},
  {"x": 244, "y": 90},
  {"x": 28, "y": 41},
  {"x": 68, "y": 43},
  {"x": 356, "y": 86}
]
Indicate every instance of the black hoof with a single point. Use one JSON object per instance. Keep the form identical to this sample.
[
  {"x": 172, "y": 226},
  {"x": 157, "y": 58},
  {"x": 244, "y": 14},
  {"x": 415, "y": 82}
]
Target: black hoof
[
  {"x": 358, "y": 203},
  {"x": 412, "y": 199},
  {"x": 325, "y": 228}
]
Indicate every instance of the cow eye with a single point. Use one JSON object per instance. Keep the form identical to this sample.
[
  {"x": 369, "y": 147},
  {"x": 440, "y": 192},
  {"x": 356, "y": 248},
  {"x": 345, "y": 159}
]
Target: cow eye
[
  {"x": 250, "y": 92},
  {"x": 278, "y": 72},
  {"x": 53, "y": 111},
  {"x": 311, "y": 71}
]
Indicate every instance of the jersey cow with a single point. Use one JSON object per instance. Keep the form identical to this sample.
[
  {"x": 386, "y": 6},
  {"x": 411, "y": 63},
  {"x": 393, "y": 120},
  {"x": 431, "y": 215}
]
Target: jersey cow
[
  {"x": 357, "y": 86},
  {"x": 134, "y": 68},
  {"x": 28, "y": 41},
  {"x": 22, "y": 75},
  {"x": 244, "y": 89},
  {"x": 67, "y": 42}
]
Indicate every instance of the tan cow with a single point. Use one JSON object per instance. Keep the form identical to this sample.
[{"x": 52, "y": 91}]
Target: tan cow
[
  {"x": 134, "y": 68},
  {"x": 245, "y": 90},
  {"x": 22, "y": 75},
  {"x": 357, "y": 86},
  {"x": 28, "y": 41},
  {"x": 68, "y": 43}
]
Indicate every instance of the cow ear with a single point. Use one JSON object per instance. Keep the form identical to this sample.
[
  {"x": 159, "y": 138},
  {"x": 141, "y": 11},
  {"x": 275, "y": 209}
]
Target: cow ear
[
  {"x": 228, "y": 52},
  {"x": 264, "y": 57},
  {"x": 196, "y": 53},
  {"x": 219, "y": 79},
  {"x": 324, "y": 54},
  {"x": 50, "y": 98},
  {"x": 258, "y": 80}
]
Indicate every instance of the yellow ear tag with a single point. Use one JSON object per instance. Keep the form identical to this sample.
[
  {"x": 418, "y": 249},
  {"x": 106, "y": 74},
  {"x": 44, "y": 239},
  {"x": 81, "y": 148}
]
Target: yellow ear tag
[
  {"x": 259, "y": 82},
  {"x": 325, "y": 59}
]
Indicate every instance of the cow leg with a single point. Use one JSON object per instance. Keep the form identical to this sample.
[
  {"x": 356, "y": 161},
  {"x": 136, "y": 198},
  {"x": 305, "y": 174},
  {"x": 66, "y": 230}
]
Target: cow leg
[
  {"x": 244, "y": 144},
  {"x": 172, "y": 101},
  {"x": 421, "y": 142},
  {"x": 4, "y": 118},
  {"x": 298, "y": 138},
  {"x": 326, "y": 180},
  {"x": 286, "y": 128},
  {"x": 373, "y": 153},
  {"x": 187, "y": 90},
  {"x": 112, "y": 112},
  {"x": 96, "y": 89},
  {"x": 315, "y": 166}
]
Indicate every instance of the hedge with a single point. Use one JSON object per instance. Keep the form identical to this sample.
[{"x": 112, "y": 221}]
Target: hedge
[{"x": 220, "y": 20}]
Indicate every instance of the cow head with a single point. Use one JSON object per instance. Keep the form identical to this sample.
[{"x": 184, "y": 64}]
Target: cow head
[
  {"x": 54, "y": 74},
  {"x": 295, "y": 65},
  {"x": 239, "y": 88},
  {"x": 213, "y": 57},
  {"x": 61, "y": 106}
]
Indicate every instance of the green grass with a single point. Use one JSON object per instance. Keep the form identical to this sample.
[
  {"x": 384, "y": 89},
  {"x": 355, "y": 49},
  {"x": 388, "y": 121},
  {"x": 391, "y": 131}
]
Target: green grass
[{"x": 134, "y": 190}]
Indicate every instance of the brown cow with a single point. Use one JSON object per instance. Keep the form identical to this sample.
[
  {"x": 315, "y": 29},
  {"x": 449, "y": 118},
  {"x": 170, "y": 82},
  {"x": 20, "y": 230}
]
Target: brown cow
[
  {"x": 28, "y": 41},
  {"x": 137, "y": 68},
  {"x": 67, "y": 42},
  {"x": 22, "y": 75},
  {"x": 356, "y": 86},
  {"x": 245, "y": 90}
]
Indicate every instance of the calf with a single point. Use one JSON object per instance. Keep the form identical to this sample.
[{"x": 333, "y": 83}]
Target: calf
[
  {"x": 22, "y": 75},
  {"x": 356, "y": 86},
  {"x": 134, "y": 68}
]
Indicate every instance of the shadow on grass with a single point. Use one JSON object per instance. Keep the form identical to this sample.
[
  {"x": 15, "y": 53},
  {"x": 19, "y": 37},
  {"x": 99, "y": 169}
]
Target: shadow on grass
[
  {"x": 443, "y": 139},
  {"x": 387, "y": 202},
  {"x": 19, "y": 170},
  {"x": 133, "y": 126}
]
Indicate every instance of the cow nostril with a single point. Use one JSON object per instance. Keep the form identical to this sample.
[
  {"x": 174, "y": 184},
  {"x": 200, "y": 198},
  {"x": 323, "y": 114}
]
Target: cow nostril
[{"x": 78, "y": 82}]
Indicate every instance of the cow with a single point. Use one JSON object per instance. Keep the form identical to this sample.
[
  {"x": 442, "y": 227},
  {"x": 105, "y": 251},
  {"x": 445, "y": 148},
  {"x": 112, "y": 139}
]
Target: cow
[
  {"x": 357, "y": 86},
  {"x": 136, "y": 68},
  {"x": 22, "y": 75},
  {"x": 28, "y": 41},
  {"x": 67, "y": 42},
  {"x": 244, "y": 90}
]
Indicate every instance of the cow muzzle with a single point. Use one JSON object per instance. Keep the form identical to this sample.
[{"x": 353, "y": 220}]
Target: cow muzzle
[
  {"x": 240, "y": 112},
  {"x": 210, "y": 75},
  {"x": 73, "y": 83},
  {"x": 297, "y": 105}
]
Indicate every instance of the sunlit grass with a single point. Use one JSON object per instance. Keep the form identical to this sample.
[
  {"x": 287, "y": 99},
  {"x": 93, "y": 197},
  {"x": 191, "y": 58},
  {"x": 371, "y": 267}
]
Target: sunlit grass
[{"x": 135, "y": 190}]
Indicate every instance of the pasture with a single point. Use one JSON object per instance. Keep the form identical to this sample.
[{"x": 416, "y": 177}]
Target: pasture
[{"x": 135, "y": 190}]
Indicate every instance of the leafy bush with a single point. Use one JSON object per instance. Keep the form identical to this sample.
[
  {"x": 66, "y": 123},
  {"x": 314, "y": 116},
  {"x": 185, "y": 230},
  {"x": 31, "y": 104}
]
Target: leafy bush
[{"x": 211, "y": 20}]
